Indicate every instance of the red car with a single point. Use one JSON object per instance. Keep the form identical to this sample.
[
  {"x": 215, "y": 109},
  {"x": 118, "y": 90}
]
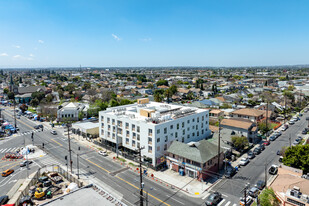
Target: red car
[{"x": 266, "y": 143}]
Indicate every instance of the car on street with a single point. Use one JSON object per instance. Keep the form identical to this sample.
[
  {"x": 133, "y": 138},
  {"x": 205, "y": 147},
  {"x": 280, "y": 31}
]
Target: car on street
[
  {"x": 300, "y": 114},
  {"x": 102, "y": 153},
  {"x": 261, "y": 147},
  {"x": 4, "y": 199},
  {"x": 266, "y": 143},
  {"x": 7, "y": 172},
  {"x": 272, "y": 137},
  {"x": 213, "y": 198},
  {"x": 291, "y": 122},
  {"x": 280, "y": 158},
  {"x": 230, "y": 172},
  {"x": 256, "y": 151},
  {"x": 53, "y": 132},
  {"x": 24, "y": 163},
  {"x": 40, "y": 126},
  {"x": 36, "y": 127},
  {"x": 304, "y": 131},
  {"x": 278, "y": 152},
  {"x": 296, "y": 142},
  {"x": 273, "y": 170},
  {"x": 249, "y": 201},
  {"x": 254, "y": 192},
  {"x": 260, "y": 184},
  {"x": 250, "y": 154},
  {"x": 299, "y": 137},
  {"x": 18, "y": 116},
  {"x": 244, "y": 161}
]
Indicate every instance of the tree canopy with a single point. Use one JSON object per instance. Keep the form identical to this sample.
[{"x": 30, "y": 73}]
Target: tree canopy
[
  {"x": 298, "y": 157},
  {"x": 162, "y": 82},
  {"x": 268, "y": 198},
  {"x": 240, "y": 142}
]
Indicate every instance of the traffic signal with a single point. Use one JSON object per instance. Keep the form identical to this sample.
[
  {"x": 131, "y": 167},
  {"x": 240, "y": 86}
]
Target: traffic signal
[
  {"x": 32, "y": 135},
  {"x": 43, "y": 144}
]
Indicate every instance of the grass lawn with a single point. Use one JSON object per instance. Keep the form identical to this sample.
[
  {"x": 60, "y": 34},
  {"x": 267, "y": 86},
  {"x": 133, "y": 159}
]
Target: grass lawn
[
  {"x": 272, "y": 125},
  {"x": 31, "y": 109}
]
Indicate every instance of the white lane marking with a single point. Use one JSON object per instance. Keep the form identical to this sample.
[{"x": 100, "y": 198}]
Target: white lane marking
[
  {"x": 4, "y": 150},
  {"x": 222, "y": 201},
  {"x": 227, "y": 204},
  {"x": 177, "y": 200},
  {"x": 234, "y": 205},
  {"x": 224, "y": 195},
  {"x": 1, "y": 150},
  {"x": 14, "y": 149}
]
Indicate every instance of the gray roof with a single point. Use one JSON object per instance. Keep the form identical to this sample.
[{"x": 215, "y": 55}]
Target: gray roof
[
  {"x": 201, "y": 151},
  {"x": 30, "y": 89}
]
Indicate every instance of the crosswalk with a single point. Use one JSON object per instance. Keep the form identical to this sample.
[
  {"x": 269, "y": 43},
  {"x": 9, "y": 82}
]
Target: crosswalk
[
  {"x": 12, "y": 149},
  {"x": 33, "y": 131},
  {"x": 223, "y": 202},
  {"x": 47, "y": 160}
]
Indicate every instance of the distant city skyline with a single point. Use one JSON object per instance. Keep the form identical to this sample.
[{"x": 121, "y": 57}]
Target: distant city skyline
[{"x": 154, "y": 33}]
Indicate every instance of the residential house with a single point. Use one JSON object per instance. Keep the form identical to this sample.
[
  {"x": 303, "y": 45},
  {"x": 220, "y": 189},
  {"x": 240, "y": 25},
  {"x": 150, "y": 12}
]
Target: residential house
[
  {"x": 241, "y": 127},
  {"x": 248, "y": 113},
  {"x": 215, "y": 114},
  {"x": 71, "y": 111},
  {"x": 195, "y": 159}
]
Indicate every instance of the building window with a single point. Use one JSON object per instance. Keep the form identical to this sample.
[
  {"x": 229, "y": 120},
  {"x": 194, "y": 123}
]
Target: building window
[
  {"x": 196, "y": 127},
  {"x": 166, "y": 138},
  {"x": 108, "y": 127},
  {"x": 188, "y": 161},
  {"x": 165, "y": 147},
  {"x": 202, "y": 118},
  {"x": 193, "y": 120},
  {"x": 158, "y": 131},
  {"x": 133, "y": 143},
  {"x": 149, "y": 140},
  {"x": 206, "y": 115},
  {"x": 172, "y": 126},
  {"x": 127, "y": 140},
  {"x": 127, "y": 133},
  {"x": 138, "y": 145},
  {"x": 188, "y": 129},
  {"x": 102, "y": 132},
  {"x": 202, "y": 131},
  {"x": 165, "y": 130},
  {"x": 108, "y": 120},
  {"x": 114, "y": 128},
  {"x": 149, "y": 132},
  {"x": 158, "y": 148},
  {"x": 178, "y": 126},
  {"x": 108, "y": 134},
  {"x": 188, "y": 136},
  {"x": 176, "y": 134},
  {"x": 150, "y": 149},
  {"x": 119, "y": 123},
  {"x": 193, "y": 127},
  {"x": 127, "y": 125},
  {"x": 133, "y": 127},
  {"x": 198, "y": 119},
  {"x": 193, "y": 134},
  {"x": 198, "y": 134},
  {"x": 138, "y": 137},
  {"x": 102, "y": 124},
  {"x": 206, "y": 122},
  {"x": 102, "y": 118},
  {"x": 183, "y": 131},
  {"x": 183, "y": 139},
  {"x": 183, "y": 124},
  {"x": 113, "y": 121},
  {"x": 114, "y": 136},
  {"x": 134, "y": 135},
  {"x": 188, "y": 121},
  {"x": 202, "y": 125},
  {"x": 138, "y": 129},
  {"x": 158, "y": 140}
]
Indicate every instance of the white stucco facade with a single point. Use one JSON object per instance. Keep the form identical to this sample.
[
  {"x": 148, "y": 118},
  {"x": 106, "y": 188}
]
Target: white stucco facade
[{"x": 165, "y": 123}]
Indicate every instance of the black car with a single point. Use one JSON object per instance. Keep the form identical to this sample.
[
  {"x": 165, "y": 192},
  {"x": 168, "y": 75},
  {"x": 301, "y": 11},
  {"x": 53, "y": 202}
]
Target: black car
[
  {"x": 4, "y": 199},
  {"x": 304, "y": 131},
  {"x": 251, "y": 155},
  {"x": 256, "y": 151},
  {"x": 36, "y": 127},
  {"x": 273, "y": 170},
  {"x": 230, "y": 172},
  {"x": 260, "y": 184},
  {"x": 213, "y": 199},
  {"x": 40, "y": 126},
  {"x": 24, "y": 163}
]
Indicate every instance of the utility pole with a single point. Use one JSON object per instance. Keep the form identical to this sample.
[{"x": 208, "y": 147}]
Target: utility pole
[
  {"x": 117, "y": 149},
  {"x": 26, "y": 155},
  {"x": 290, "y": 140},
  {"x": 69, "y": 140},
  {"x": 32, "y": 138},
  {"x": 265, "y": 174},
  {"x": 141, "y": 175},
  {"x": 284, "y": 109},
  {"x": 219, "y": 146},
  {"x": 78, "y": 162},
  {"x": 267, "y": 117},
  {"x": 246, "y": 187},
  {"x": 14, "y": 114}
]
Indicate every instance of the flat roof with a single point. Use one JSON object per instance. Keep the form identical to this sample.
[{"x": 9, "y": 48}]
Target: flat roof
[{"x": 86, "y": 125}]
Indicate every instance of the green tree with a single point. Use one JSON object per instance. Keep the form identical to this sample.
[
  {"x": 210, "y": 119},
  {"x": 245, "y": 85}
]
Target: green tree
[
  {"x": 11, "y": 95},
  {"x": 150, "y": 86},
  {"x": 162, "y": 82},
  {"x": 38, "y": 95},
  {"x": 240, "y": 142},
  {"x": 157, "y": 97},
  {"x": 262, "y": 127},
  {"x": 113, "y": 103},
  {"x": 298, "y": 157},
  {"x": 268, "y": 198},
  {"x": 291, "y": 88},
  {"x": 5, "y": 90},
  {"x": 86, "y": 86},
  {"x": 125, "y": 102},
  {"x": 173, "y": 89},
  {"x": 250, "y": 95},
  {"x": 49, "y": 98},
  {"x": 34, "y": 102}
]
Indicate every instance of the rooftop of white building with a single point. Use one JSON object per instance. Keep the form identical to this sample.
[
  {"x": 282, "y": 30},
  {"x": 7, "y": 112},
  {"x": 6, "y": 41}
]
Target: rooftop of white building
[{"x": 152, "y": 112}]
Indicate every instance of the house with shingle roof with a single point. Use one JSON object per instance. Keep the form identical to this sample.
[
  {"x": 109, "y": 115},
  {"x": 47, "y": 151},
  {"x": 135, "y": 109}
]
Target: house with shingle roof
[
  {"x": 241, "y": 127},
  {"x": 254, "y": 115},
  {"x": 195, "y": 159}
]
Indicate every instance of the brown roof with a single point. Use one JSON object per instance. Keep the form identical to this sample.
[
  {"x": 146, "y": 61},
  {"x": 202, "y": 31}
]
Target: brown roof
[
  {"x": 249, "y": 112},
  {"x": 163, "y": 87},
  {"x": 221, "y": 99},
  {"x": 239, "y": 123},
  {"x": 213, "y": 128},
  {"x": 215, "y": 111},
  {"x": 183, "y": 90}
]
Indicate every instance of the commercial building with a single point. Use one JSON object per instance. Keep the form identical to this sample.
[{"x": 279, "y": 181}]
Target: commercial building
[{"x": 152, "y": 125}]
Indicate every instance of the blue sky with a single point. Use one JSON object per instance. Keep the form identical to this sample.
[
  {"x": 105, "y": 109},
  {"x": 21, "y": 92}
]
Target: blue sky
[{"x": 120, "y": 33}]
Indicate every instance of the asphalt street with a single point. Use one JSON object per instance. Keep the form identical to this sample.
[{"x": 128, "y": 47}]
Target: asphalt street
[
  {"x": 233, "y": 188},
  {"x": 123, "y": 183}
]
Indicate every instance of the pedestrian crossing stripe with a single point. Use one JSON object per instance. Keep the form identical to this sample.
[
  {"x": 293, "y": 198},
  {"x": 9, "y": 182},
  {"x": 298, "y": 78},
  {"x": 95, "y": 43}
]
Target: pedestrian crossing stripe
[{"x": 14, "y": 149}]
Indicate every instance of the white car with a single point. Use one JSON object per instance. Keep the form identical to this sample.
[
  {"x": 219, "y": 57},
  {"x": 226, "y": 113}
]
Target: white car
[
  {"x": 244, "y": 161},
  {"x": 53, "y": 132},
  {"x": 102, "y": 153}
]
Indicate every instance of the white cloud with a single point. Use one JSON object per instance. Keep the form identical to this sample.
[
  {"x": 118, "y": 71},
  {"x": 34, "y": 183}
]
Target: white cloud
[
  {"x": 17, "y": 56},
  {"x": 4, "y": 55},
  {"x": 31, "y": 55},
  {"x": 116, "y": 37},
  {"x": 17, "y": 46},
  {"x": 146, "y": 39},
  {"x": 41, "y": 41}
]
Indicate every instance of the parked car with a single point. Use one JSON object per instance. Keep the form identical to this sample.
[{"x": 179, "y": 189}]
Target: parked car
[
  {"x": 7, "y": 172},
  {"x": 249, "y": 201},
  {"x": 278, "y": 152},
  {"x": 273, "y": 170},
  {"x": 230, "y": 172},
  {"x": 261, "y": 147},
  {"x": 102, "y": 153},
  {"x": 244, "y": 161},
  {"x": 260, "y": 184},
  {"x": 300, "y": 114},
  {"x": 296, "y": 142},
  {"x": 40, "y": 126},
  {"x": 24, "y": 163},
  {"x": 213, "y": 198},
  {"x": 304, "y": 131},
  {"x": 280, "y": 159},
  {"x": 291, "y": 122},
  {"x": 250, "y": 155},
  {"x": 256, "y": 151},
  {"x": 4, "y": 199},
  {"x": 53, "y": 132},
  {"x": 266, "y": 143},
  {"x": 254, "y": 192},
  {"x": 272, "y": 137}
]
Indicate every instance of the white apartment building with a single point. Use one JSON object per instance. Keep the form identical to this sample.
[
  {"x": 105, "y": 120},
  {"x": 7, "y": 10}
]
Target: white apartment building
[{"x": 154, "y": 126}]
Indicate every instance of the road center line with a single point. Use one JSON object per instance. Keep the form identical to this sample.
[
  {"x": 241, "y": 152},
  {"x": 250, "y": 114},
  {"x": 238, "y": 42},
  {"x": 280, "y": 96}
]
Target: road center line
[
  {"x": 56, "y": 142},
  {"x": 98, "y": 166},
  {"x": 177, "y": 201}
]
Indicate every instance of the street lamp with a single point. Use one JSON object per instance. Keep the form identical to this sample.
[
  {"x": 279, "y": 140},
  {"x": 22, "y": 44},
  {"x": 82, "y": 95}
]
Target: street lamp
[{"x": 245, "y": 191}]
